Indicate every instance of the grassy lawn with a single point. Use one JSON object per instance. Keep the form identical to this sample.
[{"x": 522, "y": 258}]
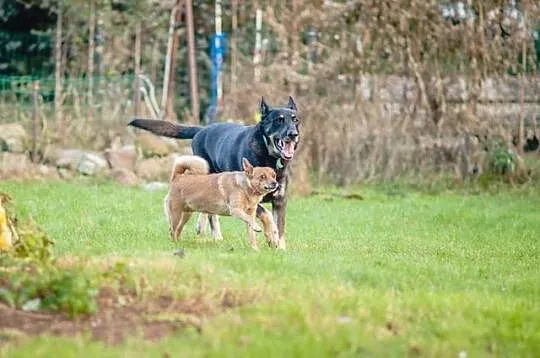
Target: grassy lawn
[{"x": 390, "y": 275}]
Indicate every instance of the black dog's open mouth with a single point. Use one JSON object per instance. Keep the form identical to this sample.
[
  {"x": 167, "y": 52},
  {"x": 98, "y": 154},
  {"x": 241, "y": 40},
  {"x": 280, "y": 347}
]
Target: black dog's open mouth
[{"x": 285, "y": 147}]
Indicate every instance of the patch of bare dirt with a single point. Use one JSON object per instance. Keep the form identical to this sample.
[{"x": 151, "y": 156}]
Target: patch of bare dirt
[{"x": 120, "y": 315}]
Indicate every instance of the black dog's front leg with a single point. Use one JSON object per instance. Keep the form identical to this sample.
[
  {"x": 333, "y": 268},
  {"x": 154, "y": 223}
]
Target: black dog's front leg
[
  {"x": 279, "y": 207},
  {"x": 278, "y": 210}
]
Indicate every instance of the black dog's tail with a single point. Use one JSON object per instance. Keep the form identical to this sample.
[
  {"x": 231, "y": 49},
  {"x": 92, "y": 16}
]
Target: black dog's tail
[{"x": 166, "y": 128}]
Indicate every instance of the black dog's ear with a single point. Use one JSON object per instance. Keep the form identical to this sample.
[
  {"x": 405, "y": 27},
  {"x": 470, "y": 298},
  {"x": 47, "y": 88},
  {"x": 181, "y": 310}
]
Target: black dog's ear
[
  {"x": 248, "y": 168},
  {"x": 264, "y": 107},
  {"x": 291, "y": 104}
]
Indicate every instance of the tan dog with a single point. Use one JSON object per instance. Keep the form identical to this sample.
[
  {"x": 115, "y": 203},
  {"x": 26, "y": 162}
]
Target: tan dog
[{"x": 229, "y": 194}]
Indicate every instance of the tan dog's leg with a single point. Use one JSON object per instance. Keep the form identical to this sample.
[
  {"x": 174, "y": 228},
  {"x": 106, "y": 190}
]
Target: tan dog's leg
[
  {"x": 174, "y": 215},
  {"x": 176, "y": 218},
  {"x": 184, "y": 217},
  {"x": 270, "y": 228},
  {"x": 252, "y": 238},
  {"x": 202, "y": 224},
  {"x": 249, "y": 220},
  {"x": 216, "y": 227}
]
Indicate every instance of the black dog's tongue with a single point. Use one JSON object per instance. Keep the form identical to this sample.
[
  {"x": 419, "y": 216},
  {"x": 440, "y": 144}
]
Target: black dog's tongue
[{"x": 288, "y": 149}]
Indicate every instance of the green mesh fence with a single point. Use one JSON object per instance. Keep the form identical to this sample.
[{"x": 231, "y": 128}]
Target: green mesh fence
[{"x": 107, "y": 98}]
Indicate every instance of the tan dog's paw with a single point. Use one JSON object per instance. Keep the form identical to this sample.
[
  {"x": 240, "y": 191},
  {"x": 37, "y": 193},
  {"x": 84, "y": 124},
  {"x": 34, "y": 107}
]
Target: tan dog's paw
[
  {"x": 255, "y": 227},
  {"x": 255, "y": 247},
  {"x": 274, "y": 241},
  {"x": 274, "y": 244},
  {"x": 282, "y": 245}
]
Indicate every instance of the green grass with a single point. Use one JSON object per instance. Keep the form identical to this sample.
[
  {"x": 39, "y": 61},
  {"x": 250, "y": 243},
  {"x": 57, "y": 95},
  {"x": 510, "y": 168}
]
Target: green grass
[{"x": 449, "y": 273}]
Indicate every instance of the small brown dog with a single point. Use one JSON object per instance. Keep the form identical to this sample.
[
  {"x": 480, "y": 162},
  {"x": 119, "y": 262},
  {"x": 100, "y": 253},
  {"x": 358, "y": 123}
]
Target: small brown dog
[{"x": 229, "y": 194}]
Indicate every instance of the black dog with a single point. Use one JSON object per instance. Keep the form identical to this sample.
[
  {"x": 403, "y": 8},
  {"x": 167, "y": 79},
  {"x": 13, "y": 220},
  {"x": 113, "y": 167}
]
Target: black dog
[{"x": 272, "y": 143}]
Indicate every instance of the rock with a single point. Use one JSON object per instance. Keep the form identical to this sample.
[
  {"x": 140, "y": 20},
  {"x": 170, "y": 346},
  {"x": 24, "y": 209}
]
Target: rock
[
  {"x": 91, "y": 164},
  {"x": 14, "y": 165},
  {"x": 154, "y": 146},
  {"x": 20, "y": 167},
  {"x": 122, "y": 158},
  {"x": 344, "y": 320},
  {"x": 67, "y": 158},
  {"x": 45, "y": 170},
  {"x": 155, "y": 186},
  {"x": 87, "y": 163},
  {"x": 12, "y": 138},
  {"x": 152, "y": 169},
  {"x": 65, "y": 173},
  {"x": 116, "y": 143},
  {"x": 180, "y": 252},
  {"x": 125, "y": 177}
]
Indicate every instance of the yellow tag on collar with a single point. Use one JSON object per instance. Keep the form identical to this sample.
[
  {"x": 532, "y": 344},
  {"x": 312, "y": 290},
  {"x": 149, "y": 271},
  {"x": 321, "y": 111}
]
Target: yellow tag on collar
[{"x": 279, "y": 164}]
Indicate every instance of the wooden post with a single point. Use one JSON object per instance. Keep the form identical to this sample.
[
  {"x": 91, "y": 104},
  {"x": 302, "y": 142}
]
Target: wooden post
[
  {"x": 166, "y": 75},
  {"x": 58, "y": 69},
  {"x": 91, "y": 49},
  {"x": 293, "y": 54},
  {"x": 234, "y": 60},
  {"x": 194, "y": 94},
  {"x": 154, "y": 62},
  {"x": 35, "y": 121},
  {"x": 169, "y": 105},
  {"x": 522, "y": 94},
  {"x": 99, "y": 44},
  {"x": 258, "y": 46},
  {"x": 137, "y": 66}
]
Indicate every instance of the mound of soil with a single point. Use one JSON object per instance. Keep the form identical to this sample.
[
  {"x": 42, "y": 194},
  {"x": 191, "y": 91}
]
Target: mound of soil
[{"x": 119, "y": 316}]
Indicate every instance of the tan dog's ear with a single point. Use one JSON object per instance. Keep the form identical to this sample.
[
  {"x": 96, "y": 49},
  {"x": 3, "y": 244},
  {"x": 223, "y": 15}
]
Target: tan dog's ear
[{"x": 248, "y": 168}]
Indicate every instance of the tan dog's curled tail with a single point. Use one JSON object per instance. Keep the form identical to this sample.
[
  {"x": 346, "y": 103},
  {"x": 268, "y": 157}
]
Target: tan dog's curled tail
[{"x": 189, "y": 164}]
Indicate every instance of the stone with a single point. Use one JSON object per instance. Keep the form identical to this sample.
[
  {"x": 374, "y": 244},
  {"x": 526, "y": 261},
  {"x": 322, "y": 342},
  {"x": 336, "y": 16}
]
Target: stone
[
  {"x": 124, "y": 177},
  {"x": 155, "y": 186},
  {"x": 66, "y": 158},
  {"x": 153, "y": 169},
  {"x": 64, "y": 173},
  {"x": 154, "y": 146},
  {"x": 16, "y": 166},
  {"x": 12, "y": 138},
  {"x": 91, "y": 164},
  {"x": 122, "y": 158}
]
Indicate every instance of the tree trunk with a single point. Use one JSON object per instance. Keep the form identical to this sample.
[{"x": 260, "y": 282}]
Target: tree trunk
[
  {"x": 234, "y": 60},
  {"x": 293, "y": 55},
  {"x": 194, "y": 94},
  {"x": 169, "y": 106},
  {"x": 258, "y": 46},
  {"x": 35, "y": 121},
  {"x": 58, "y": 70},
  {"x": 155, "y": 60},
  {"x": 167, "y": 70},
  {"x": 91, "y": 50},
  {"x": 138, "y": 31},
  {"x": 99, "y": 45}
]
